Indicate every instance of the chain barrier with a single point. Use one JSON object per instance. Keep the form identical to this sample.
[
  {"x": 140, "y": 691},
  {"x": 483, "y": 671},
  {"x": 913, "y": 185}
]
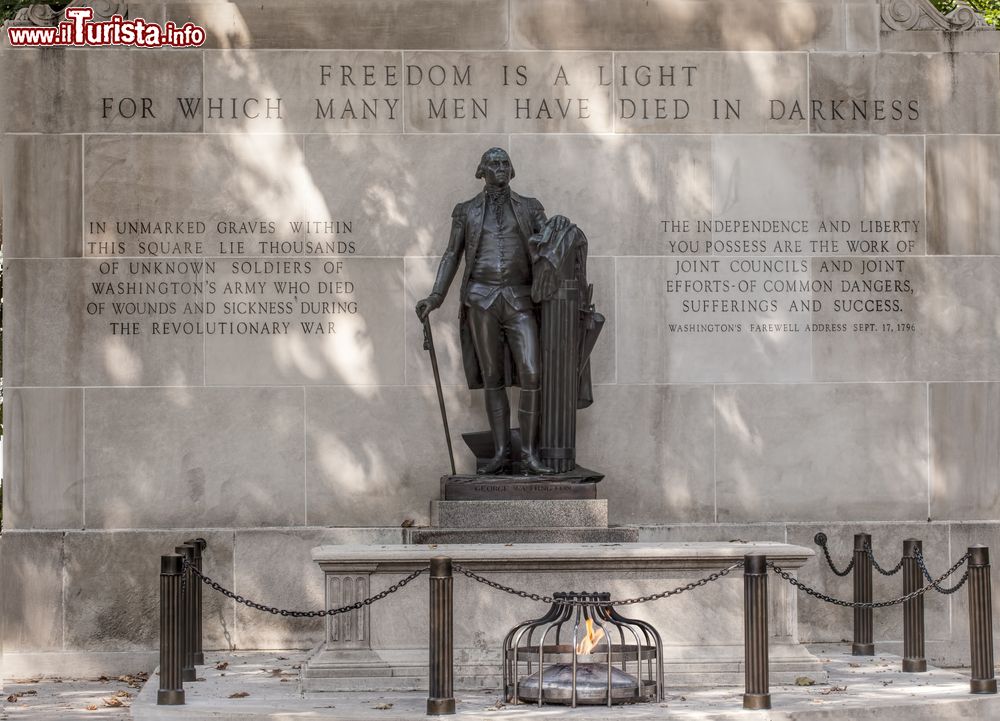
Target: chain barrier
[
  {"x": 820, "y": 540},
  {"x": 299, "y": 614},
  {"x": 946, "y": 591},
  {"x": 871, "y": 604},
  {"x": 933, "y": 584},
  {"x": 875, "y": 564},
  {"x": 576, "y": 602}
]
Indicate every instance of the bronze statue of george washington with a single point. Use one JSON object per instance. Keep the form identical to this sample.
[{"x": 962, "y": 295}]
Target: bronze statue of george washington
[{"x": 498, "y": 319}]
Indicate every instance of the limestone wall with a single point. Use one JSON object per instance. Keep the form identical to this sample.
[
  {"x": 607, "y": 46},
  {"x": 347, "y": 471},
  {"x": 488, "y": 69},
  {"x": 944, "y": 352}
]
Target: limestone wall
[{"x": 211, "y": 258}]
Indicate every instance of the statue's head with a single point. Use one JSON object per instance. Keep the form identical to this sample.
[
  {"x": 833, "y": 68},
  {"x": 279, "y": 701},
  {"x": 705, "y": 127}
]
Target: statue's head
[{"x": 495, "y": 167}]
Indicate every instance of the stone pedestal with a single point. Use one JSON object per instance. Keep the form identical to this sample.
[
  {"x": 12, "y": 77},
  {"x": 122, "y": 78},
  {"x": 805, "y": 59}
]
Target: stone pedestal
[
  {"x": 538, "y": 520},
  {"x": 702, "y": 629},
  {"x": 519, "y": 514},
  {"x": 561, "y": 508}
]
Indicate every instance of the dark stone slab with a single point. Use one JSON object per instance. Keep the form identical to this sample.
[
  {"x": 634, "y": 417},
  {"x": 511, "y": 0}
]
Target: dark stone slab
[
  {"x": 514, "y": 488},
  {"x": 522, "y": 535},
  {"x": 578, "y": 484}
]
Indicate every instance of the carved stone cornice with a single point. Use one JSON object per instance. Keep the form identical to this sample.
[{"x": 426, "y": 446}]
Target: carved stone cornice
[
  {"x": 923, "y": 15},
  {"x": 44, "y": 16}
]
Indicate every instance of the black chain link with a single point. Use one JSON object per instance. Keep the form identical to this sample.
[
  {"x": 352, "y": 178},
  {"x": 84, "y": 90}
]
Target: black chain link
[
  {"x": 577, "y": 602},
  {"x": 877, "y": 567},
  {"x": 872, "y": 604},
  {"x": 946, "y": 591},
  {"x": 820, "y": 540},
  {"x": 300, "y": 614}
]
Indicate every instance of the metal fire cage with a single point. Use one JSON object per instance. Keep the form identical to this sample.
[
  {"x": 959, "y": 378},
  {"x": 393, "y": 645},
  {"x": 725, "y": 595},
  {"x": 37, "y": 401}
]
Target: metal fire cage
[{"x": 625, "y": 665}]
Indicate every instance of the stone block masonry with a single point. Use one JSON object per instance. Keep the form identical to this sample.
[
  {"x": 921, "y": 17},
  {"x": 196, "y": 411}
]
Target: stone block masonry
[{"x": 209, "y": 299}]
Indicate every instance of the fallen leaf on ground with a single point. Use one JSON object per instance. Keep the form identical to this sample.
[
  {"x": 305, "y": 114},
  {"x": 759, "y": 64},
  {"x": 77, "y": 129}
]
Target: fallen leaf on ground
[
  {"x": 407, "y": 523},
  {"x": 12, "y": 698},
  {"x": 92, "y": 707},
  {"x": 833, "y": 689},
  {"x": 382, "y": 706},
  {"x": 282, "y": 658},
  {"x": 239, "y": 694},
  {"x": 275, "y": 671},
  {"x": 134, "y": 680},
  {"x": 123, "y": 694},
  {"x": 854, "y": 665},
  {"x": 222, "y": 666},
  {"x": 804, "y": 681},
  {"x": 285, "y": 680},
  {"x": 114, "y": 702}
]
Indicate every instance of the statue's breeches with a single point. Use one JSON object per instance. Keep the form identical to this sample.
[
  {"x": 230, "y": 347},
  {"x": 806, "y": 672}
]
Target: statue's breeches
[{"x": 501, "y": 325}]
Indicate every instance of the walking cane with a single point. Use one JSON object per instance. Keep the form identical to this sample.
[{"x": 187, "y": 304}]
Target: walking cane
[{"x": 429, "y": 347}]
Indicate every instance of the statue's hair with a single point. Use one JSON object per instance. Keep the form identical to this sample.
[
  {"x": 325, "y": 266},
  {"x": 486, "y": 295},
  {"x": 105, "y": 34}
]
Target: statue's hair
[{"x": 482, "y": 162}]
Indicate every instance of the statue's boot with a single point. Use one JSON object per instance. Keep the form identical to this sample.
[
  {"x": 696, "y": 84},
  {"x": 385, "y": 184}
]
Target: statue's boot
[
  {"x": 498, "y": 414},
  {"x": 528, "y": 416}
]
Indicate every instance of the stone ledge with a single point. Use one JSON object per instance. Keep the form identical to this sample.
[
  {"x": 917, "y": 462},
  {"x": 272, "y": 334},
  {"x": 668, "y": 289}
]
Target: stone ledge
[{"x": 560, "y": 556}]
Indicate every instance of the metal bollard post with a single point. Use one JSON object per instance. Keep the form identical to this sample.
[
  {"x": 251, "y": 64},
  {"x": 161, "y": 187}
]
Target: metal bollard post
[
  {"x": 755, "y": 609},
  {"x": 441, "y": 692},
  {"x": 981, "y": 621},
  {"x": 199, "y": 653},
  {"x": 913, "y": 610},
  {"x": 864, "y": 644},
  {"x": 186, "y": 550},
  {"x": 171, "y": 691}
]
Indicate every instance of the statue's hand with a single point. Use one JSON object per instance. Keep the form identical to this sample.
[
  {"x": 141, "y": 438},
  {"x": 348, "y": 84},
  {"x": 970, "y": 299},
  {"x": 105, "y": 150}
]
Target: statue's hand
[
  {"x": 425, "y": 306},
  {"x": 559, "y": 222}
]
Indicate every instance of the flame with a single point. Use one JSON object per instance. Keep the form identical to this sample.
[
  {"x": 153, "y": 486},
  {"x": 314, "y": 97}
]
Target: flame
[{"x": 590, "y": 639}]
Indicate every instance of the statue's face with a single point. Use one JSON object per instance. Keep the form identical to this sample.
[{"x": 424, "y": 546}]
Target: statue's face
[{"x": 497, "y": 169}]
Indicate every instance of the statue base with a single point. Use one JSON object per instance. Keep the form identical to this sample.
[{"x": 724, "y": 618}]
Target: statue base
[
  {"x": 578, "y": 484},
  {"x": 562, "y": 508},
  {"x": 482, "y": 447}
]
